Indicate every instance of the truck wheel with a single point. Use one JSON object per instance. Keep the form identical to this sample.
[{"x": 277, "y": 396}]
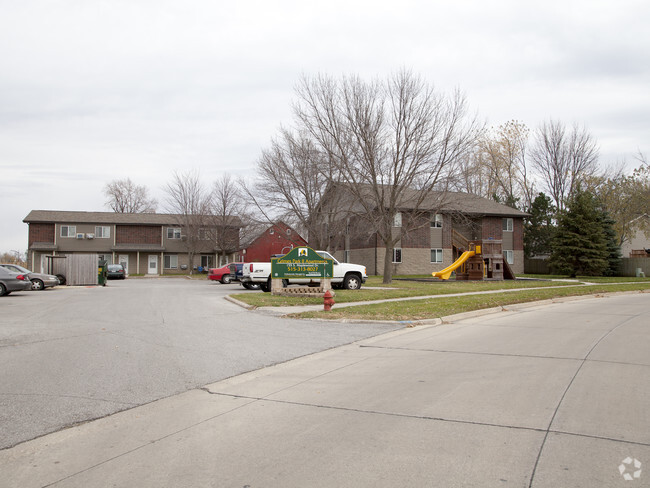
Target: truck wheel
[
  {"x": 352, "y": 282},
  {"x": 266, "y": 287}
]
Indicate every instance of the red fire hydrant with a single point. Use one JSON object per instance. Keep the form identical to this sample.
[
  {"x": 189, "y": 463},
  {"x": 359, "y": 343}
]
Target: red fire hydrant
[{"x": 328, "y": 301}]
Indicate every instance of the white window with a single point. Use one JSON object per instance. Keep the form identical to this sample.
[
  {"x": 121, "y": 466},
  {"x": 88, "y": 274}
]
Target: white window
[
  {"x": 170, "y": 261},
  {"x": 397, "y": 255},
  {"x": 206, "y": 261},
  {"x": 436, "y": 255},
  {"x": 173, "y": 232},
  {"x": 68, "y": 231},
  {"x": 102, "y": 231},
  {"x": 288, "y": 232},
  {"x": 397, "y": 220},
  {"x": 436, "y": 220},
  {"x": 507, "y": 225},
  {"x": 271, "y": 231},
  {"x": 509, "y": 256}
]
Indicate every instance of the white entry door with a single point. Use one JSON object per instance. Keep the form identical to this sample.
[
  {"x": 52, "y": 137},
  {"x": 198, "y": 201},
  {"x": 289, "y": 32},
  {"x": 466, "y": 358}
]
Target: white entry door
[
  {"x": 123, "y": 259},
  {"x": 153, "y": 264}
]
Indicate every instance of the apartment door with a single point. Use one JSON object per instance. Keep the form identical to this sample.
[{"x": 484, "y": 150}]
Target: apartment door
[
  {"x": 123, "y": 259},
  {"x": 153, "y": 264}
]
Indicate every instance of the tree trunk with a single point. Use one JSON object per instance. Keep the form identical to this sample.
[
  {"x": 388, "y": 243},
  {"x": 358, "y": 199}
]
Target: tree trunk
[{"x": 388, "y": 265}]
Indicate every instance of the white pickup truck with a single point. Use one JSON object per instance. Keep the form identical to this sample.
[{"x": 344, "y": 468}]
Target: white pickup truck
[{"x": 348, "y": 276}]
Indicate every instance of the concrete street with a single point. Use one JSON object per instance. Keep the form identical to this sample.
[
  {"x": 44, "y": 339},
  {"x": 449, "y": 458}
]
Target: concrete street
[{"x": 545, "y": 396}]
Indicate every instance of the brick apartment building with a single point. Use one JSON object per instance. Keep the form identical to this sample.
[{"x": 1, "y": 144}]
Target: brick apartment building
[
  {"x": 145, "y": 243},
  {"x": 433, "y": 236}
]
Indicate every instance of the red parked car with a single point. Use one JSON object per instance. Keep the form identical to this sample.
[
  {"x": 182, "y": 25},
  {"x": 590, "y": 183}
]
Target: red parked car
[{"x": 220, "y": 274}]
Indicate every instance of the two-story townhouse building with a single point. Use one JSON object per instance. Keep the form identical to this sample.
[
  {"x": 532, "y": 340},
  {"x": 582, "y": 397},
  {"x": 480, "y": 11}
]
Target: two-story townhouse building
[
  {"x": 433, "y": 235},
  {"x": 144, "y": 243}
]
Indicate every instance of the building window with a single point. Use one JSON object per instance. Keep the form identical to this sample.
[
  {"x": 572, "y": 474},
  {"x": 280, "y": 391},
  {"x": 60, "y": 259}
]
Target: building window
[
  {"x": 288, "y": 232},
  {"x": 397, "y": 220},
  {"x": 436, "y": 221},
  {"x": 170, "y": 261},
  {"x": 509, "y": 256},
  {"x": 206, "y": 261},
  {"x": 507, "y": 225},
  {"x": 102, "y": 231},
  {"x": 436, "y": 255},
  {"x": 173, "y": 232},
  {"x": 271, "y": 231},
  {"x": 68, "y": 231},
  {"x": 397, "y": 255}
]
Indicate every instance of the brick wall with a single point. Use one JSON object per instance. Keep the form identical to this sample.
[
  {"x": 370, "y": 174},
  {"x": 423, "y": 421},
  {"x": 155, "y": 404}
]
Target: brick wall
[
  {"x": 518, "y": 231},
  {"x": 138, "y": 234},
  {"x": 41, "y": 233},
  {"x": 492, "y": 228},
  {"x": 417, "y": 234}
]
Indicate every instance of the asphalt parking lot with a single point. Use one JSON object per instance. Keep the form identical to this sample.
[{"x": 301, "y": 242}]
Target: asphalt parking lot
[{"x": 72, "y": 354}]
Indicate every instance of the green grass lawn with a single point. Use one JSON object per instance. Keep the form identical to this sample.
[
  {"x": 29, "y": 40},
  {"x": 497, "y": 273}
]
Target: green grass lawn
[
  {"x": 402, "y": 287},
  {"x": 413, "y": 310},
  {"x": 373, "y": 289}
]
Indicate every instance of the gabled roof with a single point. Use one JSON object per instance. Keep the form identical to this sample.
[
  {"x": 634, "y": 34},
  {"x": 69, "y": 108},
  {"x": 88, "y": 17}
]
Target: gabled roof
[
  {"x": 279, "y": 224},
  {"x": 75, "y": 217},
  {"x": 473, "y": 205},
  {"x": 445, "y": 202}
]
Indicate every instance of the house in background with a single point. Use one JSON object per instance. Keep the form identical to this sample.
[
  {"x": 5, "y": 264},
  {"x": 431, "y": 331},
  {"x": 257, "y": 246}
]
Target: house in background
[
  {"x": 434, "y": 235},
  {"x": 144, "y": 243},
  {"x": 638, "y": 246},
  {"x": 279, "y": 238}
]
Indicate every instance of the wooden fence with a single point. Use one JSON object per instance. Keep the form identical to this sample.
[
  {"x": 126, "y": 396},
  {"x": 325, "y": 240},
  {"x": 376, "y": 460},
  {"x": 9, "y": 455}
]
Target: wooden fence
[
  {"x": 628, "y": 267},
  {"x": 78, "y": 269}
]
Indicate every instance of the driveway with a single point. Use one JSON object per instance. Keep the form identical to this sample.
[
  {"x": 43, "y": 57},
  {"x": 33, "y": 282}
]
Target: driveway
[
  {"x": 544, "y": 396},
  {"x": 71, "y": 354}
]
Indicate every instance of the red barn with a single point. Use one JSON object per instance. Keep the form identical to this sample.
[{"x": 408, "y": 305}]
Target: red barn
[{"x": 277, "y": 239}]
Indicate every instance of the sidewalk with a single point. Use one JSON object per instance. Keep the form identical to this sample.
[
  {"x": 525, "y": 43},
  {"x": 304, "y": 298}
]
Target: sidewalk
[
  {"x": 281, "y": 311},
  {"x": 529, "y": 394}
]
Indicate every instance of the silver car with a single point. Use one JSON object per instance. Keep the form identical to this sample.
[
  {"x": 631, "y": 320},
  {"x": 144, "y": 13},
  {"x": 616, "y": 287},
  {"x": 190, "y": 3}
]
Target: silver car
[
  {"x": 11, "y": 281},
  {"x": 39, "y": 281}
]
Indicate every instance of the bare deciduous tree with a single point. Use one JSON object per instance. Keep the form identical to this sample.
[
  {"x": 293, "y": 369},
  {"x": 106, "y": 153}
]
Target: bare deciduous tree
[
  {"x": 292, "y": 177},
  {"x": 502, "y": 160},
  {"x": 228, "y": 214},
  {"x": 391, "y": 144},
  {"x": 563, "y": 159},
  {"x": 124, "y": 196},
  {"x": 188, "y": 199}
]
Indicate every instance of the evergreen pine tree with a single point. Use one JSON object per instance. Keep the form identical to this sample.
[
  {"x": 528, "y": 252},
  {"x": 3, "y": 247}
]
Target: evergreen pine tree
[
  {"x": 539, "y": 227},
  {"x": 611, "y": 239},
  {"x": 580, "y": 243}
]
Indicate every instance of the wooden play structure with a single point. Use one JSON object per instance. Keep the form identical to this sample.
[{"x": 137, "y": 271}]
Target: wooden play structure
[{"x": 478, "y": 260}]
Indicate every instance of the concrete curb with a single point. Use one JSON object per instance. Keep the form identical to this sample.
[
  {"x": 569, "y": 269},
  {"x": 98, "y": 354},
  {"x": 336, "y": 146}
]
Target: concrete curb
[{"x": 240, "y": 303}]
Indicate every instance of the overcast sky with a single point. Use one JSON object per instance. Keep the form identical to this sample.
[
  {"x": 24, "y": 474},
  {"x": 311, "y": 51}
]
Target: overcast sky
[{"x": 92, "y": 91}]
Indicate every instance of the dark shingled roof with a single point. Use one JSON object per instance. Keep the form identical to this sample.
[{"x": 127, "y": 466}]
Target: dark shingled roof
[
  {"x": 447, "y": 202},
  {"x": 74, "y": 217}
]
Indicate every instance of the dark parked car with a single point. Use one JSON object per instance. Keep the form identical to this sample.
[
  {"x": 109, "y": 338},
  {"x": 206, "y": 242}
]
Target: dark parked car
[
  {"x": 10, "y": 281},
  {"x": 39, "y": 281},
  {"x": 115, "y": 272}
]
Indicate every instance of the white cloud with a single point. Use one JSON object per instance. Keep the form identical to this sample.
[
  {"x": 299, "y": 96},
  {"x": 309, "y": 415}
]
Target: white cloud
[{"x": 93, "y": 90}]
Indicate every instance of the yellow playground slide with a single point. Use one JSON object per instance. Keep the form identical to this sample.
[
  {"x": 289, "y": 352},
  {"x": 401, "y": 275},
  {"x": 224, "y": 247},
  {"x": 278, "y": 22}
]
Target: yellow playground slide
[{"x": 446, "y": 273}]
